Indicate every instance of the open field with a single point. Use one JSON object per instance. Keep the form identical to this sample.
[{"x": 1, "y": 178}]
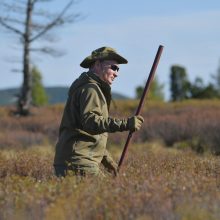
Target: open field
[
  {"x": 155, "y": 183},
  {"x": 160, "y": 179}
]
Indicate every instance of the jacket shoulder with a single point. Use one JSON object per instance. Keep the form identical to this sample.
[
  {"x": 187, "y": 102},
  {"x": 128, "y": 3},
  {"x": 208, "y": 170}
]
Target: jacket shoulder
[{"x": 90, "y": 88}]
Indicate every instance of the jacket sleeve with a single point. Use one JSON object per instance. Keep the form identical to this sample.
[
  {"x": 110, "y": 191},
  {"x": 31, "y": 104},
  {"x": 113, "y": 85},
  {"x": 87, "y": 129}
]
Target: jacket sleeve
[{"x": 91, "y": 117}]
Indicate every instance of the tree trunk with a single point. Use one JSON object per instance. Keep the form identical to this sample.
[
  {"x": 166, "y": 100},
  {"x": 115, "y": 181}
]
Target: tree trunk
[{"x": 24, "y": 101}]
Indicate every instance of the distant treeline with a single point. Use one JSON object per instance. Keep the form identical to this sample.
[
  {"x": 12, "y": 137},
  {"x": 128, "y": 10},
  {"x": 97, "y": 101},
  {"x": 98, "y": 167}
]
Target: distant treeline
[{"x": 181, "y": 88}]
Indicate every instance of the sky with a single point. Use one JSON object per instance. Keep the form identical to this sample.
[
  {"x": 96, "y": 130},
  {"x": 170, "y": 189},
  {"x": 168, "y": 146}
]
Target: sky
[{"x": 189, "y": 30}]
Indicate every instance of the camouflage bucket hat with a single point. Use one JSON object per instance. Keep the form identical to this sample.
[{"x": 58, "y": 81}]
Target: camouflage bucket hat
[{"x": 103, "y": 53}]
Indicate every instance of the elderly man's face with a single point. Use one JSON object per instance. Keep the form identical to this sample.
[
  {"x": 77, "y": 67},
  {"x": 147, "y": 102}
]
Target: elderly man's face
[{"x": 109, "y": 71}]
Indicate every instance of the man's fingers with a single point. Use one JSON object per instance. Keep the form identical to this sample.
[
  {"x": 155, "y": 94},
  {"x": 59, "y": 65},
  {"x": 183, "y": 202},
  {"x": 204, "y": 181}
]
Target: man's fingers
[
  {"x": 140, "y": 118},
  {"x": 135, "y": 122}
]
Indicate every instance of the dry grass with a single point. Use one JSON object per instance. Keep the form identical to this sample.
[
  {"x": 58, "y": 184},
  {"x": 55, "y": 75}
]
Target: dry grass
[{"x": 155, "y": 182}]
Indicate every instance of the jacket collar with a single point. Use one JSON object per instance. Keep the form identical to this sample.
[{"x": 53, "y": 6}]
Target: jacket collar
[{"x": 105, "y": 87}]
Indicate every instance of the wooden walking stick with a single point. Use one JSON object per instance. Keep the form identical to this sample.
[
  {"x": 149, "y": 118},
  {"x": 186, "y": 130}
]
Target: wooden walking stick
[{"x": 149, "y": 80}]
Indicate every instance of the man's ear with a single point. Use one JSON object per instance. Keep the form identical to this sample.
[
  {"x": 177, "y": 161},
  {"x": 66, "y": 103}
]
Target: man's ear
[
  {"x": 98, "y": 63},
  {"x": 98, "y": 66}
]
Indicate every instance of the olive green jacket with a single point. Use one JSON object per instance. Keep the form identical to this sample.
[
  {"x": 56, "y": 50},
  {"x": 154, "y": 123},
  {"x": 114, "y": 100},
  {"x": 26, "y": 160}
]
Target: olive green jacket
[{"x": 85, "y": 123}]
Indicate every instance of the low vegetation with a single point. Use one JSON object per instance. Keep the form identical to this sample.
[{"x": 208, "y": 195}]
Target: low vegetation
[
  {"x": 155, "y": 183},
  {"x": 160, "y": 179}
]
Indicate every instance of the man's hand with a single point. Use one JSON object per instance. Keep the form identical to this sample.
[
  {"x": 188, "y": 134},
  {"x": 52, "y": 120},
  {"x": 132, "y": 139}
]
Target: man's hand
[
  {"x": 113, "y": 168},
  {"x": 110, "y": 166},
  {"x": 135, "y": 122}
]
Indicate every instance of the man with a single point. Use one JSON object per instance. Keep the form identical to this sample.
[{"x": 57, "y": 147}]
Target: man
[{"x": 85, "y": 124}]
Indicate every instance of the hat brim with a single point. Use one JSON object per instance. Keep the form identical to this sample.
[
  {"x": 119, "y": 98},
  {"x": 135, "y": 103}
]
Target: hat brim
[{"x": 88, "y": 61}]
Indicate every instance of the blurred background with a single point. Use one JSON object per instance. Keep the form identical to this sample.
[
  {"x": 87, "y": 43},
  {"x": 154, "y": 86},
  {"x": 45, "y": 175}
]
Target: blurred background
[{"x": 189, "y": 31}]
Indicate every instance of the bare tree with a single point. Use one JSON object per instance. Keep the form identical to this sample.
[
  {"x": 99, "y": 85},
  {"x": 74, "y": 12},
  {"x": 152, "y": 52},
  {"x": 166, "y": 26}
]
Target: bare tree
[{"x": 30, "y": 23}]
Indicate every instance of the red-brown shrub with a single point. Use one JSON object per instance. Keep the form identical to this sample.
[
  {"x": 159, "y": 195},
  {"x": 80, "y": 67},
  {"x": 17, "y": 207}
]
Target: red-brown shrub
[{"x": 195, "y": 123}]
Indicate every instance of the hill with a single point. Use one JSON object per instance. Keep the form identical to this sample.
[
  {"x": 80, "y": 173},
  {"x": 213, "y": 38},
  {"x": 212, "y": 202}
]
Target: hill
[{"x": 56, "y": 95}]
